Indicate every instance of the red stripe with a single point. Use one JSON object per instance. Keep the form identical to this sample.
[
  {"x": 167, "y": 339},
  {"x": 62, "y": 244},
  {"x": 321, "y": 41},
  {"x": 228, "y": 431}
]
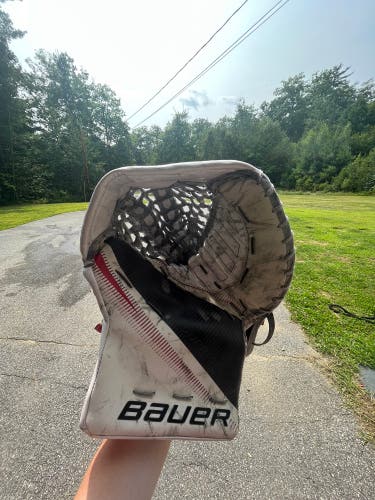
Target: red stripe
[
  {"x": 146, "y": 329},
  {"x": 99, "y": 261}
]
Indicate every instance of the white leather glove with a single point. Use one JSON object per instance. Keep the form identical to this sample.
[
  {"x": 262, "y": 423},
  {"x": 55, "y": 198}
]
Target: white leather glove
[{"x": 186, "y": 262}]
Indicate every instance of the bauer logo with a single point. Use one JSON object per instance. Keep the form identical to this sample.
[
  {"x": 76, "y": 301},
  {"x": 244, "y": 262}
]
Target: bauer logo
[{"x": 174, "y": 414}]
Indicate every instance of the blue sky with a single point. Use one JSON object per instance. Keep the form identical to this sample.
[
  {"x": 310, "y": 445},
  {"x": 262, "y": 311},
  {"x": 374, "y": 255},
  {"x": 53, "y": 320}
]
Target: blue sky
[{"x": 135, "y": 47}]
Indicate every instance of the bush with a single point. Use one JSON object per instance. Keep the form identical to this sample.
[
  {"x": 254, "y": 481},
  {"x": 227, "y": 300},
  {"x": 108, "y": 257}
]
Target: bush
[{"x": 358, "y": 176}]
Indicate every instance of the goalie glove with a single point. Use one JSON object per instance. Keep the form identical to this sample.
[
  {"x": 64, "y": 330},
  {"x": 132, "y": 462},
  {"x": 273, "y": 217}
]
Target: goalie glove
[{"x": 186, "y": 262}]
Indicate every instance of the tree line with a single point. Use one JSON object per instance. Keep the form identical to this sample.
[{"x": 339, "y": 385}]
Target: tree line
[{"x": 60, "y": 131}]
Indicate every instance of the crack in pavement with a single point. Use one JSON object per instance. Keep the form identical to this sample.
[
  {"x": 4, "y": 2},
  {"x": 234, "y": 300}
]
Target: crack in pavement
[
  {"x": 296, "y": 422},
  {"x": 309, "y": 358},
  {"x": 20, "y": 339},
  {"x": 18, "y": 376},
  {"x": 54, "y": 381}
]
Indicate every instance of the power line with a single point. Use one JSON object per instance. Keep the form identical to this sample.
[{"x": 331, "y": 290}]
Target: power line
[
  {"x": 254, "y": 27},
  {"x": 270, "y": 13},
  {"x": 189, "y": 61}
]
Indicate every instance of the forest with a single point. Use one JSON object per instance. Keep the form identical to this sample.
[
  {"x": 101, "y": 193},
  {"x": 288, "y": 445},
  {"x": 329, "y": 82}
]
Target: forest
[{"x": 60, "y": 131}]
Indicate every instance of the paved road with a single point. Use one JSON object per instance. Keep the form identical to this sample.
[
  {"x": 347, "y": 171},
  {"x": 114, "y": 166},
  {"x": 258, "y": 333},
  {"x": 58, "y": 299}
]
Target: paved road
[{"x": 297, "y": 440}]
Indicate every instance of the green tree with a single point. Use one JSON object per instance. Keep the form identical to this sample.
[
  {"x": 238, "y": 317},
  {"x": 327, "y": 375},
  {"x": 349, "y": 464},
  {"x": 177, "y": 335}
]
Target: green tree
[
  {"x": 243, "y": 127},
  {"x": 361, "y": 113},
  {"x": 358, "y": 176},
  {"x": 271, "y": 150},
  {"x": 109, "y": 128},
  {"x": 330, "y": 96},
  {"x": 363, "y": 142},
  {"x": 81, "y": 125},
  {"x": 261, "y": 141},
  {"x": 362, "y": 119},
  {"x": 62, "y": 115},
  {"x": 146, "y": 144},
  {"x": 177, "y": 145},
  {"x": 290, "y": 106},
  {"x": 14, "y": 129},
  {"x": 200, "y": 128},
  {"x": 321, "y": 154}
]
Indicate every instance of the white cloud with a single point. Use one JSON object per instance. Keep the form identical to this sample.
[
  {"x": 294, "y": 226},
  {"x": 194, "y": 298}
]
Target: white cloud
[
  {"x": 231, "y": 100},
  {"x": 197, "y": 100}
]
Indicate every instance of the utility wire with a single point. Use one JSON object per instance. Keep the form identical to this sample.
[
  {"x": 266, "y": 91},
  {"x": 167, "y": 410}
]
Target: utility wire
[
  {"x": 189, "y": 61},
  {"x": 254, "y": 27}
]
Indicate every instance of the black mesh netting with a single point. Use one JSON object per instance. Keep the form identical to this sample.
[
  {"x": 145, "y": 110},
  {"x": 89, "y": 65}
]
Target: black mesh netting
[{"x": 169, "y": 223}]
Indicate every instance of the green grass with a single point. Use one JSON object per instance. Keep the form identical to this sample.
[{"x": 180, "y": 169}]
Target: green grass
[
  {"x": 335, "y": 263},
  {"x": 15, "y": 215}
]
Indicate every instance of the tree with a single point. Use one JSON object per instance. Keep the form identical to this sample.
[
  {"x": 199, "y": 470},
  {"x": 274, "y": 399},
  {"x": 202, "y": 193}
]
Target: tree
[
  {"x": 200, "y": 128},
  {"x": 362, "y": 119},
  {"x": 146, "y": 145},
  {"x": 261, "y": 141},
  {"x": 80, "y": 124},
  {"x": 62, "y": 116},
  {"x": 13, "y": 118},
  {"x": 330, "y": 96},
  {"x": 177, "y": 143},
  {"x": 361, "y": 113},
  {"x": 321, "y": 154},
  {"x": 271, "y": 150},
  {"x": 358, "y": 176},
  {"x": 243, "y": 126},
  {"x": 290, "y": 106},
  {"x": 109, "y": 127},
  {"x": 362, "y": 143}
]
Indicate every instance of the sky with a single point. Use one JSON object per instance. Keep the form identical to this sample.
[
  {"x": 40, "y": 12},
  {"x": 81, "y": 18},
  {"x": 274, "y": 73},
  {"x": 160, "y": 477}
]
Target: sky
[{"x": 135, "y": 46}]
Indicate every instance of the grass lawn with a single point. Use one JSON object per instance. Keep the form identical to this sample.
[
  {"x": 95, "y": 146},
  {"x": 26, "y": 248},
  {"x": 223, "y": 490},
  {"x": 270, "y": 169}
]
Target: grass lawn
[
  {"x": 335, "y": 242},
  {"x": 335, "y": 263},
  {"x": 12, "y": 216}
]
